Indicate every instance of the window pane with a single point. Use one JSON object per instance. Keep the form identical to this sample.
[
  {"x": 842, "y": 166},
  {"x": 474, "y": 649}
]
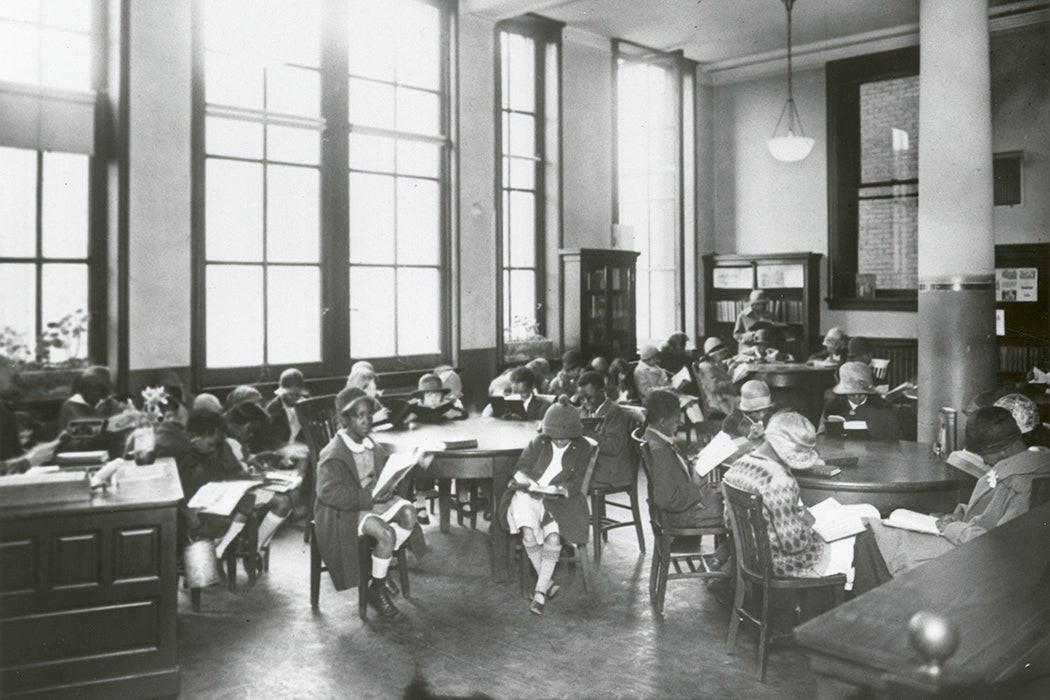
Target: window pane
[
  {"x": 418, "y": 311},
  {"x": 295, "y": 31},
  {"x": 371, "y": 312},
  {"x": 17, "y": 202},
  {"x": 419, "y": 45},
  {"x": 65, "y": 205},
  {"x": 293, "y": 329},
  {"x": 506, "y": 228},
  {"x": 522, "y": 229},
  {"x": 233, "y": 81},
  {"x": 65, "y": 60},
  {"x": 522, "y": 73},
  {"x": 227, "y": 22},
  {"x": 372, "y": 36},
  {"x": 889, "y": 129},
  {"x": 371, "y": 219},
  {"x": 418, "y": 158},
  {"x": 504, "y": 44},
  {"x": 19, "y": 53},
  {"x": 68, "y": 14},
  {"x": 293, "y": 91},
  {"x": 64, "y": 291},
  {"x": 369, "y": 152},
  {"x": 418, "y": 111},
  {"x": 418, "y": 222},
  {"x": 887, "y": 241},
  {"x": 662, "y": 303},
  {"x": 662, "y": 237},
  {"x": 234, "y": 315},
  {"x": 642, "y": 305},
  {"x": 293, "y": 202},
  {"x": 18, "y": 290},
  {"x": 371, "y": 104},
  {"x": 522, "y": 135},
  {"x": 293, "y": 145},
  {"x": 230, "y": 137},
  {"x": 233, "y": 211},
  {"x": 522, "y": 298},
  {"x": 522, "y": 174},
  {"x": 24, "y": 10}
]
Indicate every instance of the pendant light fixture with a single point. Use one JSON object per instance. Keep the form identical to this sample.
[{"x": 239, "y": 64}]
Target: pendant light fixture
[{"x": 795, "y": 145}]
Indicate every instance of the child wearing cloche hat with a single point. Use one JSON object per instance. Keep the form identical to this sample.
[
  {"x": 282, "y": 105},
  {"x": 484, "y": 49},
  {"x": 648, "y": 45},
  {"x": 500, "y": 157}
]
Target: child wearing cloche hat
[{"x": 857, "y": 401}]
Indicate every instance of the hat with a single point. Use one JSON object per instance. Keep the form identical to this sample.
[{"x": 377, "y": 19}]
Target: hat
[
  {"x": 758, "y": 296},
  {"x": 991, "y": 429},
  {"x": 349, "y": 396},
  {"x": 427, "y": 383},
  {"x": 572, "y": 359},
  {"x": 712, "y": 345},
  {"x": 982, "y": 400},
  {"x": 648, "y": 352},
  {"x": 540, "y": 366},
  {"x": 241, "y": 394},
  {"x": 207, "y": 402},
  {"x": 859, "y": 347},
  {"x": 450, "y": 380},
  {"x": 754, "y": 396},
  {"x": 1023, "y": 409},
  {"x": 562, "y": 422},
  {"x": 854, "y": 378},
  {"x": 835, "y": 336},
  {"x": 794, "y": 439},
  {"x": 291, "y": 382}
]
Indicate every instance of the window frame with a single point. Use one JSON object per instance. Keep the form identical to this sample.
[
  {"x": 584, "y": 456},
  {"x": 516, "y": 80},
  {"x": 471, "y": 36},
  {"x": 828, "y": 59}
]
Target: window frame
[{"x": 844, "y": 78}]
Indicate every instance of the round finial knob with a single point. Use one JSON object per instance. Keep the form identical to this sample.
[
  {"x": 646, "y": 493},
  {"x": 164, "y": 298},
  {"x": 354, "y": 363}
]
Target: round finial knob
[{"x": 935, "y": 637}]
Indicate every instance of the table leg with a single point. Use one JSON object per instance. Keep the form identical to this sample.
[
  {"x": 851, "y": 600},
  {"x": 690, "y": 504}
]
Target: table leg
[{"x": 445, "y": 504}]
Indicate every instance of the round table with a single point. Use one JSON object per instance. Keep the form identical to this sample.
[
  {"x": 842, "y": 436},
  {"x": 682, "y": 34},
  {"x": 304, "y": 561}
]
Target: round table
[
  {"x": 888, "y": 475},
  {"x": 795, "y": 384},
  {"x": 500, "y": 443}
]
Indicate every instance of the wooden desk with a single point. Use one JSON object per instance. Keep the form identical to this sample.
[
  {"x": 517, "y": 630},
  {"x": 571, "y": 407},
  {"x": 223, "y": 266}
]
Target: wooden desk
[
  {"x": 802, "y": 383},
  {"x": 888, "y": 475},
  {"x": 994, "y": 588},
  {"x": 88, "y": 584},
  {"x": 500, "y": 443}
]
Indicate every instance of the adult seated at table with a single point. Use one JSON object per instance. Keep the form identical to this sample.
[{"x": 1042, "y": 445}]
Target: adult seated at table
[
  {"x": 564, "y": 382},
  {"x": 835, "y": 350},
  {"x": 859, "y": 350},
  {"x": 610, "y": 426},
  {"x": 766, "y": 347},
  {"x": 717, "y": 391},
  {"x": 684, "y": 497},
  {"x": 1003, "y": 494},
  {"x": 649, "y": 375},
  {"x": 756, "y": 312},
  {"x": 92, "y": 398},
  {"x": 752, "y": 413},
  {"x": 523, "y": 386},
  {"x": 1026, "y": 415},
  {"x": 14, "y": 459},
  {"x": 856, "y": 401},
  {"x": 673, "y": 355}
]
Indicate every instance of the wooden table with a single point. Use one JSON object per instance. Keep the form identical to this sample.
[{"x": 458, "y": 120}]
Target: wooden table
[
  {"x": 798, "y": 385},
  {"x": 88, "y": 584},
  {"x": 500, "y": 443},
  {"x": 888, "y": 475},
  {"x": 994, "y": 588}
]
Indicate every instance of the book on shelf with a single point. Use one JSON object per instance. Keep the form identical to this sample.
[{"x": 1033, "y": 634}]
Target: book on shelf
[
  {"x": 905, "y": 519},
  {"x": 1019, "y": 358},
  {"x": 834, "y": 522}
]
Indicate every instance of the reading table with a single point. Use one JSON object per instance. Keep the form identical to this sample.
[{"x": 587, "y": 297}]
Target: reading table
[{"x": 792, "y": 383}]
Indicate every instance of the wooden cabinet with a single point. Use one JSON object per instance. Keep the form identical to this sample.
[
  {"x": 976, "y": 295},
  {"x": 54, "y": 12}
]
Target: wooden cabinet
[
  {"x": 88, "y": 584},
  {"x": 598, "y": 302},
  {"x": 792, "y": 281},
  {"x": 1022, "y": 309}
]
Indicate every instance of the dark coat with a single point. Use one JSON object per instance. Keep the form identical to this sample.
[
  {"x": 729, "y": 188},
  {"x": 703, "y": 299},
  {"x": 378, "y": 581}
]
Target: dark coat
[
  {"x": 340, "y": 501},
  {"x": 282, "y": 431},
  {"x": 684, "y": 502},
  {"x": 571, "y": 514},
  {"x": 877, "y": 413},
  {"x": 537, "y": 408},
  {"x": 616, "y": 461}
]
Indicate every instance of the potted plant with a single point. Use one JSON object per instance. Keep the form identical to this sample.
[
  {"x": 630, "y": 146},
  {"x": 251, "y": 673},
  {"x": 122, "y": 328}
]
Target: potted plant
[
  {"x": 47, "y": 371},
  {"x": 522, "y": 341}
]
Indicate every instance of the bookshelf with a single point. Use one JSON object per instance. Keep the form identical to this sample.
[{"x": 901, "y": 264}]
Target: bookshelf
[
  {"x": 1022, "y": 308},
  {"x": 792, "y": 281},
  {"x": 598, "y": 304}
]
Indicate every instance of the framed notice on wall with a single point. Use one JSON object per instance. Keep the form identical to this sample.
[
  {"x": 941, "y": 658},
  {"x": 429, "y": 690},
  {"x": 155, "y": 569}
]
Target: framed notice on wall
[
  {"x": 732, "y": 278},
  {"x": 780, "y": 276},
  {"x": 1017, "y": 284}
]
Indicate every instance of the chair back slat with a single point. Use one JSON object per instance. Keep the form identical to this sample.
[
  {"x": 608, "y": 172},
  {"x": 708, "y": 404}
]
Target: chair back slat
[
  {"x": 586, "y": 485},
  {"x": 645, "y": 456},
  {"x": 750, "y": 533},
  {"x": 318, "y": 420}
]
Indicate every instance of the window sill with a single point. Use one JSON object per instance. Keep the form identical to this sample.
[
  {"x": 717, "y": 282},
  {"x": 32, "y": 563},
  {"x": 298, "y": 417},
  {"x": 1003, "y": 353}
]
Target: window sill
[{"x": 844, "y": 304}]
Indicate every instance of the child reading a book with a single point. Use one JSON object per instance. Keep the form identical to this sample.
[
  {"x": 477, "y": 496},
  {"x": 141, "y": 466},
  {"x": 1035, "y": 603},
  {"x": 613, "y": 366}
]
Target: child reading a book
[
  {"x": 752, "y": 413},
  {"x": 545, "y": 501},
  {"x": 857, "y": 402},
  {"x": 523, "y": 388},
  {"x": 432, "y": 403},
  {"x": 346, "y": 508},
  {"x": 283, "y": 418}
]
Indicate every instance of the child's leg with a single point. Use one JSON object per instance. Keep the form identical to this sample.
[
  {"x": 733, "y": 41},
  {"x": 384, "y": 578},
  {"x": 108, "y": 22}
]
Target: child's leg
[
  {"x": 551, "y": 550},
  {"x": 384, "y": 537},
  {"x": 532, "y": 547},
  {"x": 279, "y": 509},
  {"x": 403, "y": 522}
]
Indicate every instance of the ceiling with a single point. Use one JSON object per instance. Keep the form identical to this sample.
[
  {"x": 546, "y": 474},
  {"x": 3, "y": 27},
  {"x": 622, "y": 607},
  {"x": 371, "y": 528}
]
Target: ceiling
[{"x": 713, "y": 31}]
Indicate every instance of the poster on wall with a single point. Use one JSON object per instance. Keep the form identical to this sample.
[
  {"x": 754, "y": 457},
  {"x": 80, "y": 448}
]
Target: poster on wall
[{"x": 1017, "y": 284}]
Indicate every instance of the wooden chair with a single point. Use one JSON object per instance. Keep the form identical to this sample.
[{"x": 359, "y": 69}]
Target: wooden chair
[
  {"x": 754, "y": 569},
  {"x": 677, "y": 547},
  {"x": 601, "y": 523},
  {"x": 319, "y": 425},
  {"x": 579, "y": 554}
]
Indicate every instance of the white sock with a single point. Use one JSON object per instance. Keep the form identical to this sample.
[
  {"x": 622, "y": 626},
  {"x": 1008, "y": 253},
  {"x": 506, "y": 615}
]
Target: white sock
[
  {"x": 235, "y": 528},
  {"x": 548, "y": 560},
  {"x": 400, "y": 535},
  {"x": 533, "y": 552},
  {"x": 379, "y": 567},
  {"x": 268, "y": 527}
]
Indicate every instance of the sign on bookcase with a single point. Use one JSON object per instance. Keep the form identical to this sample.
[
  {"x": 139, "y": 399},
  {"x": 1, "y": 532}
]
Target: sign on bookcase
[
  {"x": 732, "y": 277},
  {"x": 780, "y": 276}
]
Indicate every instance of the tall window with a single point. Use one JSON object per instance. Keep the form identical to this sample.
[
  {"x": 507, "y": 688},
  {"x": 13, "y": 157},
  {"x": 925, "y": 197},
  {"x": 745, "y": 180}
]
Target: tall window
[
  {"x": 648, "y": 181},
  {"x": 315, "y": 254},
  {"x": 873, "y": 166},
  {"x": 52, "y": 248},
  {"x": 528, "y": 92}
]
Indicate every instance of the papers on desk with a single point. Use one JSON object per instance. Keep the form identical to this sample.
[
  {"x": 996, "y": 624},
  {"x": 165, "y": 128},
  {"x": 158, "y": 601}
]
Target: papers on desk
[
  {"x": 720, "y": 449},
  {"x": 220, "y": 497},
  {"x": 905, "y": 519},
  {"x": 833, "y": 522}
]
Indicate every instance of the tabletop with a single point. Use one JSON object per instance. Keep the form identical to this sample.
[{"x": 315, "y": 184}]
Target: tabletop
[
  {"x": 496, "y": 437},
  {"x": 889, "y": 465}
]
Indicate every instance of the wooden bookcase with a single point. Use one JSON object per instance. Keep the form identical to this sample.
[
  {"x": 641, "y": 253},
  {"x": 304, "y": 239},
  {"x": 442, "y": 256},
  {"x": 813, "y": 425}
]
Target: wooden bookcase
[
  {"x": 792, "y": 281},
  {"x": 1024, "y": 335},
  {"x": 598, "y": 302}
]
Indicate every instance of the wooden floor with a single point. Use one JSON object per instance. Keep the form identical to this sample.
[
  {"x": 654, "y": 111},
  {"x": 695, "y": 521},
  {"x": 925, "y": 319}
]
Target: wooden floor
[{"x": 468, "y": 637}]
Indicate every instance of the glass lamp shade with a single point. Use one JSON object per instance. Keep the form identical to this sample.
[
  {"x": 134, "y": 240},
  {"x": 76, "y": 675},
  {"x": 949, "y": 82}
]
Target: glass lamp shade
[{"x": 790, "y": 148}]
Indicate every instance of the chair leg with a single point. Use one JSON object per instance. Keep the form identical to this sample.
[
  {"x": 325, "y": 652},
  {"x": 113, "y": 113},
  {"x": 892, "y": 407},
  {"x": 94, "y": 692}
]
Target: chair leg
[
  {"x": 636, "y": 513},
  {"x": 661, "y": 573},
  {"x": 363, "y": 574},
  {"x": 654, "y": 567},
  {"x": 734, "y": 617},
  {"x": 195, "y": 599},
  {"x": 266, "y": 559},
  {"x": 231, "y": 567},
  {"x": 315, "y": 570},
  {"x": 402, "y": 571},
  {"x": 473, "y": 504},
  {"x": 585, "y": 562},
  {"x": 763, "y": 636},
  {"x": 596, "y": 529}
]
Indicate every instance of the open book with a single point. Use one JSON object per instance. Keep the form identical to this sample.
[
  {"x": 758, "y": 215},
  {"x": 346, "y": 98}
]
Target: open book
[
  {"x": 834, "y": 522},
  {"x": 220, "y": 497},
  {"x": 1039, "y": 376},
  {"x": 681, "y": 378},
  {"x": 396, "y": 468},
  {"x": 720, "y": 449},
  {"x": 968, "y": 462},
  {"x": 524, "y": 483},
  {"x": 910, "y": 520},
  {"x": 282, "y": 482}
]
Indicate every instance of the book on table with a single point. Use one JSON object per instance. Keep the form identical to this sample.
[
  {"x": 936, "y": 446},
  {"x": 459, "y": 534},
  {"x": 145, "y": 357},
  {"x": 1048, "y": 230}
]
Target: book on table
[
  {"x": 834, "y": 522},
  {"x": 221, "y": 497},
  {"x": 905, "y": 519}
]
